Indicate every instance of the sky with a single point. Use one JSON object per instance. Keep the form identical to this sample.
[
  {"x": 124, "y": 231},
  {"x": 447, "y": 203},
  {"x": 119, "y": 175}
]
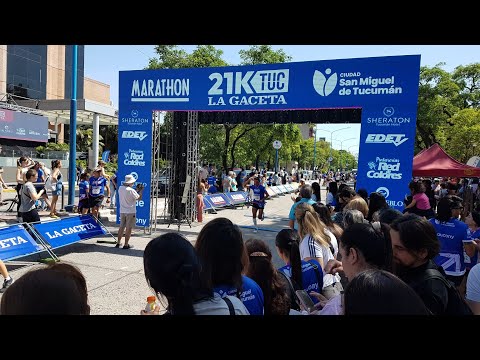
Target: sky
[{"x": 103, "y": 63}]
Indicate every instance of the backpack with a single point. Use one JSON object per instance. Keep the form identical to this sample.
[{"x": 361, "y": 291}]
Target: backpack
[
  {"x": 456, "y": 305},
  {"x": 48, "y": 183}
]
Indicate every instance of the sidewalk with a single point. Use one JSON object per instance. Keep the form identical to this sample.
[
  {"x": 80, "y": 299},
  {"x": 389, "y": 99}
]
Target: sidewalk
[{"x": 115, "y": 277}]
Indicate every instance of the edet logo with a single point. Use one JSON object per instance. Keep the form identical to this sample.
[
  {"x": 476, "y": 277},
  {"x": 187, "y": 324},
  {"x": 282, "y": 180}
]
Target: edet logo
[
  {"x": 134, "y": 135},
  {"x": 395, "y": 139},
  {"x": 322, "y": 85}
]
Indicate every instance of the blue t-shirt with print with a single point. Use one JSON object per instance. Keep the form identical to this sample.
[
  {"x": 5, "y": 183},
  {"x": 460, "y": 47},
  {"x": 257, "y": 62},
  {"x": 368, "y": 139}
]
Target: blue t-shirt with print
[
  {"x": 83, "y": 189},
  {"x": 451, "y": 235},
  {"x": 251, "y": 295},
  {"x": 472, "y": 261},
  {"x": 97, "y": 186},
  {"x": 310, "y": 280},
  {"x": 39, "y": 175},
  {"x": 258, "y": 193},
  {"x": 291, "y": 215}
]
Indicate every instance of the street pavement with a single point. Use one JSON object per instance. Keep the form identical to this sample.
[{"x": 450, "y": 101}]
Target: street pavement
[{"x": 115, "y": 278}]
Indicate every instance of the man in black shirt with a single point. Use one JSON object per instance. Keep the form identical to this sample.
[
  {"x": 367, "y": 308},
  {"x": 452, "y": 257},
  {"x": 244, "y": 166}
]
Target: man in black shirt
[{"x": 415, "y": 244}]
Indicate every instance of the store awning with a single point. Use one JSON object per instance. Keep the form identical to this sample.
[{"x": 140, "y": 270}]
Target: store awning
[{"x": 58, "y": 111}]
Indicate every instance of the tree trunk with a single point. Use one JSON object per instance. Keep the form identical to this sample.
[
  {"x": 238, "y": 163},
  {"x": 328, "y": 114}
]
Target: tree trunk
[
  {"x": 228, "y": 130},
  {"x": 232, "y": 149}
]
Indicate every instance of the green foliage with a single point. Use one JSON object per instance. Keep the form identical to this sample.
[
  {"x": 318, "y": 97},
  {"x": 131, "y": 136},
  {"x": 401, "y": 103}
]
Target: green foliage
[
  {"x": 263, "y": 54},
  {"x": 85, "y": 138},
  {"x": 52, "y": 147},
  {"x": 463, "y": 138}
]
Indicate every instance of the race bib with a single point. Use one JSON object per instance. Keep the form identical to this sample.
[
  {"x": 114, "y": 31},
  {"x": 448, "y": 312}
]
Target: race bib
[
  {"x": 96, "y": 190},
  {"x": 256, "y": 197}
]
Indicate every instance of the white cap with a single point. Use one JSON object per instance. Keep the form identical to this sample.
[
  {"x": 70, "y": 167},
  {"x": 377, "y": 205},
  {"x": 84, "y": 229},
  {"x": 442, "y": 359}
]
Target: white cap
[{"x": 129, "y": 179}]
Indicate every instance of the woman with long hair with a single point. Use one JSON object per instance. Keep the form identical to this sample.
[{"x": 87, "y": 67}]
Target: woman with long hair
[
  {"x": 316, "y": 192},
  {"x": 376, "y": 203},
  {"x": 23, "y": 165},
  {"x": 363, "y": 246},
  {"x": 324, "y": 213},
  {"x": 57, "y": 187},
  {"x": 301, "y": 274},
  {"x": 172, "y": 270},
  {"x": 261, "y": 270},
  {"x": 317, "y": 243},
  {"x": 222, "y": 252}
]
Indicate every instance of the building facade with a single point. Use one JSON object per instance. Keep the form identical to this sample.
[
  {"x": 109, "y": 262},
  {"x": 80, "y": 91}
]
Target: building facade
[{"x": 44, "y": 72}]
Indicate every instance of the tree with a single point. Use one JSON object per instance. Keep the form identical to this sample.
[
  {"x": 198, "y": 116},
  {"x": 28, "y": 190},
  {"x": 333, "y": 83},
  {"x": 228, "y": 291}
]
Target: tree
[
  {"x": 437, "y": 97},
  {"x": 464, "y": 135},
  {"x": 85, "y": 138}
]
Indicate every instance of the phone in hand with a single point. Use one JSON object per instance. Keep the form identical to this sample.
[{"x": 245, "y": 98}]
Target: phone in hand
[{"x": 305, "y": 301}]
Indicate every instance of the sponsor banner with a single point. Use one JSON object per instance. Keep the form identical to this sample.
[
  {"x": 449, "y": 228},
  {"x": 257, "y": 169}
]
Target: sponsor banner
[
  {"x": 206, "y": 204},
  {"x": 15, "y": 241},
  {"x": 297, "y": 85},
  {"x": 237, "y": 197},
  {"x": 105, "y": 155},
  {"x": 135, "y": 149},
  {"x": 385, "y": 160},
  {"x": 270, "y": 192},
  {"x": 23, "y": 126},
  {"x": 69, "y": 230},
  {"x": 282, "y": 188},
  {"x": 218, "y": 200},
  {"x": 276, "y": 190},
  {"x": 289, "y": 188}
]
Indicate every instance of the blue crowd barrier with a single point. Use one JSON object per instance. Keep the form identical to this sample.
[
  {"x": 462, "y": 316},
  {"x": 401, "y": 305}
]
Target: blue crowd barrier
[
  {"x": 218, "y": 200},
  {"x": 16, "y": 242},
  {"x": 69, "y": 230},
  {"x": 237, "y": 197}
]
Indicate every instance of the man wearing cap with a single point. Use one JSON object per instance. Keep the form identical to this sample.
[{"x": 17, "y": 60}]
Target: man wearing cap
[
  {"x": 97, "y": 191},
  {"x": 128, "y": 197}
]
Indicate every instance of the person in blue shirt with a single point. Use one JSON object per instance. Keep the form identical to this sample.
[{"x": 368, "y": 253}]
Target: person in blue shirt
[
  {"x": 83, "y": 190},
  {"x": 259, "y": 194},
  {"x": 306, "y": 194},
  {"x": 98, "y": 185},
  {"x": 213, "y": 188},
  {"x": 473, "y": 223},
  {"x": 307, "y": 275},
  {"x": 454, "y": 237},
  {"x": 223, "y": 257}
]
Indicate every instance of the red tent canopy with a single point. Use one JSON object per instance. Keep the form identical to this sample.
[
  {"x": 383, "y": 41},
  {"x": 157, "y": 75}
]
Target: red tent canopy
[{"x": 434, "y": 161}]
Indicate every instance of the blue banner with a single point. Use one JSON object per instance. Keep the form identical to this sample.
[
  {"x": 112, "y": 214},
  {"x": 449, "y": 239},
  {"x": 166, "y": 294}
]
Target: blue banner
[
  {"x": 237, "y": 197},
  {"x": 296, "y": 85},
  {"x": 69, "y": 230},
  {"x": 384, "y": 89},
  {"x": 276, "y": 190},
  {"x": 105, "y": 155},
  {"x": 282, "y": 188},
  {"x": 218, "y": 200},
  {"x": 15, "y": 241},
  {"x": 289, "y": 188},
  {"x": 206, "y": 204},
  {"x": 135, "y": 156}
]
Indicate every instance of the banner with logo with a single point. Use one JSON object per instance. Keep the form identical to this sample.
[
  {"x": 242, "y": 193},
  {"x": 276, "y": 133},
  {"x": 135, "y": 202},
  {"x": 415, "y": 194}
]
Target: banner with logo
[
  {"x": 384, "y": 89},
  {"x": 237, "y": 197},
  {"x": 105, "y": 155},
  {"x": 135, "y": 156},
  {"x": 15, "y": 241},
  {"x": 23, "y": 126},
  {"x": 218, "y": 200},
  {"x": 69, "y": 230}
]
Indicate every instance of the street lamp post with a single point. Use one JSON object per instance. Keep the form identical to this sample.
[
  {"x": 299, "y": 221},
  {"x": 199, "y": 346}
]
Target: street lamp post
[
  {"x": 331, "y": 140},
  {"x": 350, "y": 148},
  {"x": 341, "y": 148}
]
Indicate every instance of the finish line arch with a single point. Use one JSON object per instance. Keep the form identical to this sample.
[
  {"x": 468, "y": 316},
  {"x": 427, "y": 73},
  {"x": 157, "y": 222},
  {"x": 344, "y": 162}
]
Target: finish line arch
[{"x": 381, "y": 93}]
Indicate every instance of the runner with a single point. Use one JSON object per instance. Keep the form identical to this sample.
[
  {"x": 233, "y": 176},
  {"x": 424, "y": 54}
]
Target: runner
[{"x": 258, "y": 200}]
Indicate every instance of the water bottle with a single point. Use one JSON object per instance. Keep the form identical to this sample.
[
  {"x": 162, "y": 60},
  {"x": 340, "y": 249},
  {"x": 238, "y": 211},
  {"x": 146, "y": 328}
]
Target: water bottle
[{"x": 150, "y": 304}]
